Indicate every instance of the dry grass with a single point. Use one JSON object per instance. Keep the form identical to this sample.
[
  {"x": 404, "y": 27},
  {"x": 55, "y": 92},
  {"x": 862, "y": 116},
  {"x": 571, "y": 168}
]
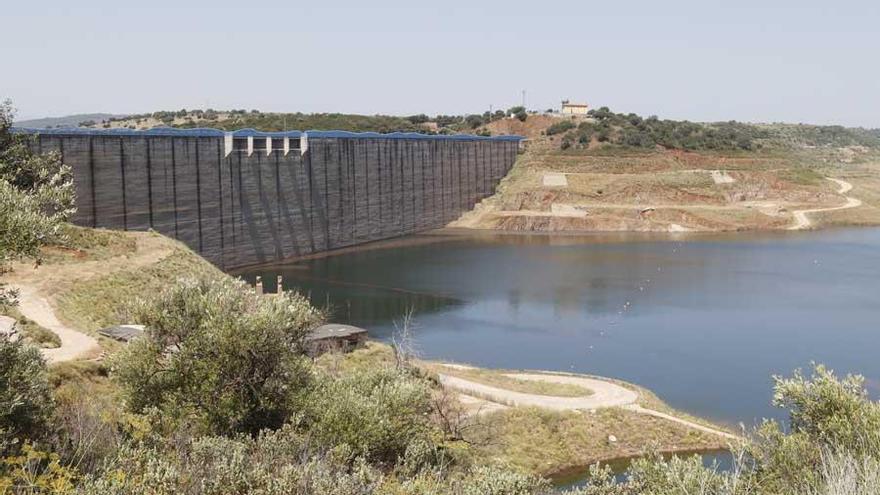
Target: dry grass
[
  {"x": 31, "y": 330},
  {"x": 84, "y": 244},
  {"x": 547, "y": 442},
  {"x": 90, "y": 375},
  {"x": 371, "y": 356},
  {"x": 100, "y": 302}
]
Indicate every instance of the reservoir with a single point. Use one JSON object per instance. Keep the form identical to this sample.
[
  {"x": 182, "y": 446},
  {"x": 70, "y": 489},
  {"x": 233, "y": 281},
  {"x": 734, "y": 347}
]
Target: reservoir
[{"x": 703, "y": 320}]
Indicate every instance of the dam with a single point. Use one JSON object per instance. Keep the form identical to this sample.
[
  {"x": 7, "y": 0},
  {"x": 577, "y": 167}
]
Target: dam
[{"x": 249, "y": 197}]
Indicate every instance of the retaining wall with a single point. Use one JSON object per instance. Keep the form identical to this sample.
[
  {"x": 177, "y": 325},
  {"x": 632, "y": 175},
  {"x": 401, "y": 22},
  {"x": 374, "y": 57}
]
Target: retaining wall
[{"x": 240, "y": 207}]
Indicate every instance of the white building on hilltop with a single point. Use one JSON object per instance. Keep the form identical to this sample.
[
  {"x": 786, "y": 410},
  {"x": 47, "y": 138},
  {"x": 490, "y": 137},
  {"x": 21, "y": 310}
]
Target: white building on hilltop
[{"x": 571, "y": 108}]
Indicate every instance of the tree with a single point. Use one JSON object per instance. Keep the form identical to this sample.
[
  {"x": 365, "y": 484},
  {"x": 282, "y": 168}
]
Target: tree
[
  {"x": 25, "y": 397},
  {"x": 473, "y": 121},
  {"x": 560, "y": 127},
  {"x": 418, "y": 119},
  {"x": 36, "y": 198},
  {"x": 218, "y": 356},
  {"x": 519, "y": 112}
]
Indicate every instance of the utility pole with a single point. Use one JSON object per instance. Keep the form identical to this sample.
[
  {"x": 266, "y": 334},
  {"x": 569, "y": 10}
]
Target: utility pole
[{"x": 523, "y": 98}]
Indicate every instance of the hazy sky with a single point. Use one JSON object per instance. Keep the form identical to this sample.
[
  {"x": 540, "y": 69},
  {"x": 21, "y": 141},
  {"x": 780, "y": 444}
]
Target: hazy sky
[{"x": 794, "y": 61}]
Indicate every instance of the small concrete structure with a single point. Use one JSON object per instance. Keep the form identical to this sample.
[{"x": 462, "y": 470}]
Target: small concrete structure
[
  {"x": 123, "y": 333},
  {"x": 334, "y": 337}
]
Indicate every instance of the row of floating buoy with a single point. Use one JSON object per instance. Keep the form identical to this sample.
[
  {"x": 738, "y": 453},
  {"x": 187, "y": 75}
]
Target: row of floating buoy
[{"x": 628, "y": 304}]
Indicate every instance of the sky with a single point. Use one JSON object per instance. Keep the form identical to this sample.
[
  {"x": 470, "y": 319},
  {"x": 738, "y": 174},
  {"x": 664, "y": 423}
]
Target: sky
[{"x": 759, "y": 61}]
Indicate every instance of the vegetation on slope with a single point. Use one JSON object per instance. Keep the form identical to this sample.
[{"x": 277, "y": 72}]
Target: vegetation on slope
[
  {"x": 100, "y": 301},
  {"x": 634, "y": 131}
]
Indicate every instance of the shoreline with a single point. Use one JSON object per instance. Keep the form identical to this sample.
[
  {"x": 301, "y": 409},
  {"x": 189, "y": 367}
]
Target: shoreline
[
  {"x": 569, "y": 476},
  {"x": 446, "y": 234},
  {"x": 614, "y": 416}
]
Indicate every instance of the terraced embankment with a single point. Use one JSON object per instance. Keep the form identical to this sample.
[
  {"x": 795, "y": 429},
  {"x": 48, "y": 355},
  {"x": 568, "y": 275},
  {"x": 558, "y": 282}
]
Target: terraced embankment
[{"x": 607, "y": 188}]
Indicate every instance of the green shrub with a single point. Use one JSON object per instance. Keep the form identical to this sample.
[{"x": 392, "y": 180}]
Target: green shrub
[
  {"x": 560, "y": 127},
  {"x": 377, "y": 414},
  {"x": 218, "y": 356},
  {"x": 26, "y": 402},
  {"x": 273, "y": 463},
  {"x": 831, "y": 411},
  {"x": 499, "y": 481}
]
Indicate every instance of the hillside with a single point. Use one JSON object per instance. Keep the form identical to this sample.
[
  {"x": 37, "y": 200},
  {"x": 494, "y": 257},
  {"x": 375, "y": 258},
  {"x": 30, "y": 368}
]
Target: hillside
[
  {"x": 613, "y": 172},
  {"x": 66, "y": 121}
]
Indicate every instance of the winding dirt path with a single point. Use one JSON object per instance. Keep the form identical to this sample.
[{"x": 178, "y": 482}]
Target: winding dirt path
[
  {"x": 605, "y": 394},
  {"x": 74, "y": 344},
  {"x": 37, "y": 286},
  {"x": 802, "y": 221}
]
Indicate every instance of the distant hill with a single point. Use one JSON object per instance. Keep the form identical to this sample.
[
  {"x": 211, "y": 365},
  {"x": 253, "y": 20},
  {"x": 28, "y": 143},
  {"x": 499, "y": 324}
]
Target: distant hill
[
  {"x": 67, "y": 121},
  {"x": 603, "y": 128}
]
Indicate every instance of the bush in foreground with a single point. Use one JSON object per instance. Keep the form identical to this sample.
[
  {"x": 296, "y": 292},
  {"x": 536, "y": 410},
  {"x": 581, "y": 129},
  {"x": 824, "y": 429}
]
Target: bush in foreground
[
  {"x": 217, "y": 356},
  {"x": 26, "y": 402},
  {"x": 376, "y": 414}
]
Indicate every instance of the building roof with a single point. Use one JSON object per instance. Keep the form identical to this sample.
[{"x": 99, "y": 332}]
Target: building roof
[
  {"x": 334, "y": 331},
  {"x": 566, "y": 104},
  {"x": 123, "y": 333}
]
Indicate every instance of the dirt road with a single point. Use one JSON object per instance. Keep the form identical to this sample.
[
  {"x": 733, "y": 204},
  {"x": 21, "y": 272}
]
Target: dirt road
[{"x": 802, "y": 221}]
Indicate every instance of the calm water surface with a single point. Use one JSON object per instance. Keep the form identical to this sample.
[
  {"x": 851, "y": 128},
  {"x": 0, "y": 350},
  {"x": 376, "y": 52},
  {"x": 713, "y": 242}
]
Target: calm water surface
[{"x": 703, "y": 321}]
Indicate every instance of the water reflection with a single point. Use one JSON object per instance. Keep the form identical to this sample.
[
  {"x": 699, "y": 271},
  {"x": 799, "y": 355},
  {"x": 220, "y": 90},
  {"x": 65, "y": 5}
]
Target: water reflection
[{"x": 719, "y": 460}]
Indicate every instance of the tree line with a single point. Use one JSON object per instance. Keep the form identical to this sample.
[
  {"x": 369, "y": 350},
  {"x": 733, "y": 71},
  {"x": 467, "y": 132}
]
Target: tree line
[{"x": 605, "y": 127}]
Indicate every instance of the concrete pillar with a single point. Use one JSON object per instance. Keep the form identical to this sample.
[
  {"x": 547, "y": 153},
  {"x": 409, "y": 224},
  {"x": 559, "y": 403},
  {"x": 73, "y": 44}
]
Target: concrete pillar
[
  {"x": 250, "y": 150},
  {"x": 227, "y": 143},
  {"x": 268, "y": 146},
  {"x": 286, "y": 146}
]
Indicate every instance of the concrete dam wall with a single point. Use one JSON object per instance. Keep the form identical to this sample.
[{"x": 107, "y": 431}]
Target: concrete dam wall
[{"x": 250, "y": 197}]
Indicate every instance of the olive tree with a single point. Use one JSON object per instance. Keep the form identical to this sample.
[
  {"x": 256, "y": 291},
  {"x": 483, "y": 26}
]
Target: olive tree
[
  {"x": 217, "y": 355},
  {"x": 36, "y": 198}
]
